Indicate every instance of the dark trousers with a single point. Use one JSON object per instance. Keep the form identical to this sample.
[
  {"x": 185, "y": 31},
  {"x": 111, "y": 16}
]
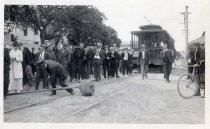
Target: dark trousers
[
  {"x": 125, "y": 66},
  {"x": 84, "y": 70},
  {"x": 202, "y": 81},
  {"x": 25, "y": 80},
  {"x": 6, "y": 81},
  {"x": 71, "y": 69},
  {"x": 167, "y": 70},
  {"x": 53, "y": 79},
  {"x": 106, "y": 68},
  {"x": 33, "y": 67},
  {"x": 114, "y": 68},
  {"x": 109, "y": 65},
  {"x": 41, "y": 73},
  {"x": 89, "y": 68},
  {"x": 130, "y": 67},
  {"x": 190, "y": 69},
  {"x": 78, "y": 68},
  {"x": 97, "y": 68}
]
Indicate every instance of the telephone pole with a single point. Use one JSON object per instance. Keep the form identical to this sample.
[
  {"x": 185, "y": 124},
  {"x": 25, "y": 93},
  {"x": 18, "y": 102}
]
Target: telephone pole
[{"x": 186, "y": 28}]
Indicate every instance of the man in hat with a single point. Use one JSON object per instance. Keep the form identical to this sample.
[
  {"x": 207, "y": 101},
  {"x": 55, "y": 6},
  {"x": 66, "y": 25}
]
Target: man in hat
[
  {"x": 201, "y": 69},
  {"x": 130, "y": 58},
  {"x": 190, "y": 58},
  {"x": 125, "y": 61},
  {"x": 64, "y": 56},
  {"x": 199, "y": 56},
  {"x": 89, "y": 59},
  {"x": 41, "y": 73},
  {"x": 51, "y": 50},
  {"x": 6, "y": 68},
  {"x": 143, "y": 59},
  {"x": 167, "y": 59},
  {"x": 71, "y": 67},
  {"x": 78, "y": 57},
  {"x": 27, "y": 60},
  {"x": 56, "y": 70},
  {"x": 114, "y": 65},
  {"x": 33, "y": 66},
  {"x": 106, "y": 70}
]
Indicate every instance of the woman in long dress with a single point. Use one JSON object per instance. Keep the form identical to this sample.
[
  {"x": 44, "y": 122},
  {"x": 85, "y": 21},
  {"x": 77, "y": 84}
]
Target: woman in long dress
[{"x": 16, "y": 70}]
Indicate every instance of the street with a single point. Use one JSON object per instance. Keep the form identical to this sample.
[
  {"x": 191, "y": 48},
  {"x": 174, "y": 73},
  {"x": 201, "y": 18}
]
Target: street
[{"x": 123, "y": 100}]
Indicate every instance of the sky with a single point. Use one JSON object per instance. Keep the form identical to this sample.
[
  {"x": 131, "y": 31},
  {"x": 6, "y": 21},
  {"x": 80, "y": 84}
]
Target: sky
[{"x": 126, "y": 16}]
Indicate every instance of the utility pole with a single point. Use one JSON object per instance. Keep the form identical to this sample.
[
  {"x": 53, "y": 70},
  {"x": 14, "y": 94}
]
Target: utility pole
[{"x": 186, "y": 28}]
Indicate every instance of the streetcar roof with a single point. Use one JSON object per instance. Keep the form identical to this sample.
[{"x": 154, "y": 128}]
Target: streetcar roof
[
  {"x": 150, "y": 27},
  {"x": 145, "y": 31},
  {"x": 151, "y": 31}
]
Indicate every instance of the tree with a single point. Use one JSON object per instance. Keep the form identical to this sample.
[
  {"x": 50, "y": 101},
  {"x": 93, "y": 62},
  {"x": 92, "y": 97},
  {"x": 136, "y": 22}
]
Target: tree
[
  {"x": 80, "y": 23},
  {"x": 35, "y": 17},
  {"x": 86, "y": 26}
]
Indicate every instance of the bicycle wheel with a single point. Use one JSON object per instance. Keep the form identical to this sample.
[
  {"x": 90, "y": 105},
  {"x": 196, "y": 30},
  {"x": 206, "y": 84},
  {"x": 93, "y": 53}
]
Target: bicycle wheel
[{"x": 187, "y": 86}]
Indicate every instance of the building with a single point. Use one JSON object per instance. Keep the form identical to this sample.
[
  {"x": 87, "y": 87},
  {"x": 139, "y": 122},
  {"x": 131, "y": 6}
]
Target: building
[{"x": 28, "y": 37}]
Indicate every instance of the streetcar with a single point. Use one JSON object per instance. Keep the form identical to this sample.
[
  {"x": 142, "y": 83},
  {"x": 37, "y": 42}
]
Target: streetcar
[{"x": 153, "y": 36}]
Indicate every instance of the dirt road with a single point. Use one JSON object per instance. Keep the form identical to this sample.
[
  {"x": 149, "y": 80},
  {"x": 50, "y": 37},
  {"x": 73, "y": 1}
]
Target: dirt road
[{"x": 151, "y": 101}]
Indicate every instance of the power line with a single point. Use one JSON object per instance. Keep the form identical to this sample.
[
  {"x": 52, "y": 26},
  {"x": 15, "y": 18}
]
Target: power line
[{"x": 147, "y": 20}]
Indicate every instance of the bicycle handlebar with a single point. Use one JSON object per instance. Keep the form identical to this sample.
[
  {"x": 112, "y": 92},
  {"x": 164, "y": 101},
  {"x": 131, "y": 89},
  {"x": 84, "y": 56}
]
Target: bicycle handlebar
[{"x": 196, "y": 65}]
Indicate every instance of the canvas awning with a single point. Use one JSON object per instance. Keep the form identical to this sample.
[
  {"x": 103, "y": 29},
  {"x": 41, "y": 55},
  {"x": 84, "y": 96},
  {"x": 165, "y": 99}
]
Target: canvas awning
[{"x": 200, "y": 40}]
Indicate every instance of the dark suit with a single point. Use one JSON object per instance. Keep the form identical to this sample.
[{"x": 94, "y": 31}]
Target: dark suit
[
  {"x": 167, "y": 63},
  {"x": 130, "y": 58},
  {"x": 33, "y": 66},
  {"x": 41, "y": 72},
  {"x": 56, "y": 70},
  {"x": 200, "y": 55},
  {"x": 53, "y": 53},
  {"x": 126, "y": 63},
  {"x": 6, "y": 70},
  {"x": 97, "y": 62},
  {"x": 89, "y": 58},
  {"x": 106, "y": 69},
  {"x": 71, "y": 66},
  {"x": 64, "y": 58},
  {"x": 78, "y": 57},
  {"x": 114, "y": 57},
  {"x": 191, "y": 57},
  {"x": 27, "y": 60},
  {"x": 144, "y": 61}
]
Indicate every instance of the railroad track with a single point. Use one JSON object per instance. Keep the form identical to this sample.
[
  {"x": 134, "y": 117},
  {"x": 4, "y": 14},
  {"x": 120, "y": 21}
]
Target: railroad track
[
  {"x": 94, "y": 104},
  {"x": 57, "y": 97}
]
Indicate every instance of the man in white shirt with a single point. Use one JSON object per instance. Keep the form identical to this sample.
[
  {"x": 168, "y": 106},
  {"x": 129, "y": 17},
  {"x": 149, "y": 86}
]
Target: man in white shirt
[
  {"x": 41, "y": 73},
  {"x": 97, "y": 61},
  {"x": 125, "y": 61}
]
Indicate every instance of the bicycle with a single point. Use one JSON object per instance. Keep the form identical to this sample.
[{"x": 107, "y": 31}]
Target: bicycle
[{"x": 188, "y": 84}]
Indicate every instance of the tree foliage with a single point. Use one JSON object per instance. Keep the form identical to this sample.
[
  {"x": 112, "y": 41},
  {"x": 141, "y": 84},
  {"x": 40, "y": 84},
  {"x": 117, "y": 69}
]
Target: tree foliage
[{"x": 81, "y": 24}]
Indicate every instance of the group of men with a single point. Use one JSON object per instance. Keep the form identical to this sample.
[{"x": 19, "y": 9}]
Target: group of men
[
  {"x": 79, "y": 63},
  {"x": 167, "y": 60},
  {"x": 82, "y": 62}
]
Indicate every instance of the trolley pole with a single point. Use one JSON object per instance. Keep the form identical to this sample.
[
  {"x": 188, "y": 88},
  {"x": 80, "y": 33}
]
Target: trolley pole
[{"x": 186, "y": 28}]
